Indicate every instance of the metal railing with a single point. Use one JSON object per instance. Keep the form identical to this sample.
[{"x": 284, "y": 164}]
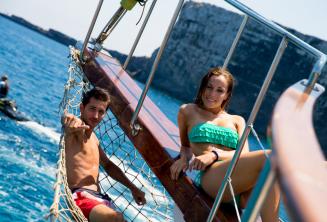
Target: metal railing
[
  {"x": 89, "y": 32},
  {"x": 137, "y": 39},
  {"x": 268, "y": 174},
  {"x": 249, "y": 124},
  {"x": 155, "y": 65}
]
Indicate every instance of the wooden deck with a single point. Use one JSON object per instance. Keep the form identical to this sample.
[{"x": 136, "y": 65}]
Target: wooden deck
[{"x": 158, "y": 141}]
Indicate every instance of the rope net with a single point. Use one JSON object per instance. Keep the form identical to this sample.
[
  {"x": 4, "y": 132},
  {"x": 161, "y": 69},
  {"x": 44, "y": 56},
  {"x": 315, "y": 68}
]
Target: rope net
[{"x": 120, "y": 150}]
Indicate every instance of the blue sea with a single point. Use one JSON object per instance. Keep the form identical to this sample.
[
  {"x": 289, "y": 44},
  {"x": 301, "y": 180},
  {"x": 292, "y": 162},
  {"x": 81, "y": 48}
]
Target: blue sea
[{"x": 37, "y": 68}]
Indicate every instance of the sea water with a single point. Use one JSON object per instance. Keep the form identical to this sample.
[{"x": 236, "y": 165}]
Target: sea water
[{"x": 37, "y": 68}]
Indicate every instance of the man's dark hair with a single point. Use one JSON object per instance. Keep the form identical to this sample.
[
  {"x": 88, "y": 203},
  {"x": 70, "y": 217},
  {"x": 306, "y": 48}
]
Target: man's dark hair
[
  {"x": 4, "y": 77},
  {"x": 96, "y": 93}
]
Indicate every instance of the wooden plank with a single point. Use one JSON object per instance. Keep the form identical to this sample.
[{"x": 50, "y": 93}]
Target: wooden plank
[
  {"x": 157, "y": 142},
  {"x": 301, "y": 166}
]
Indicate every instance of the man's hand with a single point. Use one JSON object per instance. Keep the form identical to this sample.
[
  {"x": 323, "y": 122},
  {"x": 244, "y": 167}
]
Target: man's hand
[
  {"x": 73, "y": 124},
  {"x": 139, "y": 196}
]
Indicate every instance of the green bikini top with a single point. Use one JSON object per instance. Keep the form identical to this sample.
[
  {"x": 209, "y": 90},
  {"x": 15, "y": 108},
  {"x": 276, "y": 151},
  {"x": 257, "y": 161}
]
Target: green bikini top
[{"x": 211, "y": 133}]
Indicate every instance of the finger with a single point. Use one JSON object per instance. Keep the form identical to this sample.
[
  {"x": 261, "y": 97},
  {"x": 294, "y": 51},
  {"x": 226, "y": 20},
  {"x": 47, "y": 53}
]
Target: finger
[
  {"x": 191, "y": 166},
  {"x": 70, "y": 121},
  {"x": 172, "y": 171},
  {"x": 185, "y": 168},
  {"x": 86, "y": 127},
  {"x": 194, "y": 167},
  {"x": 75, "y": 124},
  {"x": 70, "y": 124},
  {"x": 65, "y": 113},
  {"x": 201, "y": 166},
  {"x": 177, "y": 172},
  {"x": 197, "y": 165},
  {"x": 65, "y": 118},
  {"x": 80, "y": 128}
]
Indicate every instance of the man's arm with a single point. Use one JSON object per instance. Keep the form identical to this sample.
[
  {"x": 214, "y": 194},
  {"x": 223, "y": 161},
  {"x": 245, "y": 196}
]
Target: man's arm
[{"x": 117, "y": 174}]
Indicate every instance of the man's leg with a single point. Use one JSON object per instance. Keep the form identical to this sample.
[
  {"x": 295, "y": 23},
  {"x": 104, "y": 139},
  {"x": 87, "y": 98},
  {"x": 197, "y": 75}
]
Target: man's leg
[{"x": 102, "y": 213}]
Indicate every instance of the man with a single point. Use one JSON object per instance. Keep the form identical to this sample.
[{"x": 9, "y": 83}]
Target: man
[
  {"x": 83, "y": 156},
  {"x": 4, "y": 86}
]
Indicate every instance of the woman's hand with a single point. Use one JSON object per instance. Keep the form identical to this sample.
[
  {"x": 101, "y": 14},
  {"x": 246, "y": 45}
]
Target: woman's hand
[
  {"x": 179, "y": 165},
  {"x": 202, "y": 162},
  {"x": 139, "y": 196}
]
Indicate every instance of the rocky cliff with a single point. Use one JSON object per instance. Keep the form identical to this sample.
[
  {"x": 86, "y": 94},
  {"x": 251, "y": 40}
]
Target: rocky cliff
[{"x": 201, "y": 39}]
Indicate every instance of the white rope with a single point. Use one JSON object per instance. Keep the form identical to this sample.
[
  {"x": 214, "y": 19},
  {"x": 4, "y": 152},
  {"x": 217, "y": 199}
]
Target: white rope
[
  {"x": 259, "y": 141},
  {"x": 116, "y": 145},
  {"x": 233, "y": 196}
]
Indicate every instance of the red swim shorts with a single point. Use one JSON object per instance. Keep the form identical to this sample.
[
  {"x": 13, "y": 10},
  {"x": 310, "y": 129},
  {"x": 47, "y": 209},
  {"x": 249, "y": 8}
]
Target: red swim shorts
[{"x": 86, "y": 199}]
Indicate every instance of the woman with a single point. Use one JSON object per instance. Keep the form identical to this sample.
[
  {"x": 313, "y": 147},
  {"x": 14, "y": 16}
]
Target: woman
[{"x": 212, "y": 134}]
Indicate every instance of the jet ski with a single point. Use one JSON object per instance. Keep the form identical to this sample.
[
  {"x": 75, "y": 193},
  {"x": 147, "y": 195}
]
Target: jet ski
[{"x": 9, "y": 108}]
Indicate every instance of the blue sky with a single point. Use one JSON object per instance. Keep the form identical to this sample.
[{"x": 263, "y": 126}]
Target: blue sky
[{"x": 73, "y": 18}]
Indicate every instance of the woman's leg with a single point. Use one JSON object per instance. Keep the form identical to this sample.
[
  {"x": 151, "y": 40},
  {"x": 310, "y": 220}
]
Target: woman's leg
[{"x": 244, "y": 178}]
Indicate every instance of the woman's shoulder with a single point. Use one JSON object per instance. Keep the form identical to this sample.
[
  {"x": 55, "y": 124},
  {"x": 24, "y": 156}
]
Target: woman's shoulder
[
  {"x": 237, "y": 119},
  {"x": 187, "y": 108},
  {"x": 188, "y": 111}
]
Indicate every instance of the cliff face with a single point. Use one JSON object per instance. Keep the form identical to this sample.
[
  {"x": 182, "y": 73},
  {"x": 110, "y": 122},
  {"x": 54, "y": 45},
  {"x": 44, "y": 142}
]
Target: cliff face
[{"x": 201, "y": 39}]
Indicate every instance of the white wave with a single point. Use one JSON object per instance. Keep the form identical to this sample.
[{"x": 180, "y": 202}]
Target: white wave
[
  {"x": 42, "y": 130},
  {"x": 32, "y": 164},
  {"x": 4, "y": 137},
  {"x": 3, "y": 193}
]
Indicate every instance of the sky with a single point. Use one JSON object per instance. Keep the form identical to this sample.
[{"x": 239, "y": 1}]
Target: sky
[{"x": 73, "y": 18}]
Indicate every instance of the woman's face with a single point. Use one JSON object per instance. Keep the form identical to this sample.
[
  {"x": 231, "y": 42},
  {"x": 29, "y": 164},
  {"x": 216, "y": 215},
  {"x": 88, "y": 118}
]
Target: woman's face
[{"x": 215, "y": 93}]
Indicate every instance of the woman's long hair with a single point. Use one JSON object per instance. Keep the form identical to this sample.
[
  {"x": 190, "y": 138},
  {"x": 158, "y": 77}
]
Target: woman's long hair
[{"x": 217, "y": 71}]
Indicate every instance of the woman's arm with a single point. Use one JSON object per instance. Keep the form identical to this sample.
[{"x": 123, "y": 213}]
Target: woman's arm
[{"x": 185, "y": 153}]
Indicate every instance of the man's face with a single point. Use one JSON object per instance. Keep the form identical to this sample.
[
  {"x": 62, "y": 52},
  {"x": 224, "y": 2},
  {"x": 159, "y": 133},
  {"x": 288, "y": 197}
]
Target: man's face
[{"x": 93, "y": 112}]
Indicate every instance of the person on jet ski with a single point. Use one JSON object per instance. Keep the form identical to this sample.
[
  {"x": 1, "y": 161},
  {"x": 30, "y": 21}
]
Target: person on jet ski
[{"x": 4, "y": 86}]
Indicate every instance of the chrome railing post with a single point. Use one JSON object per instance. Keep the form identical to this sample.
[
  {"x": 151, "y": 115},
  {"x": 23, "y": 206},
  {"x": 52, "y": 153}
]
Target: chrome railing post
[
  {"x": 315, "y": 73},
  {"x": 87, "y": 38},
  {"x": 281, "y": 31},
  {"x": 155, "y": 63},
  {"x": 109, "y": 27},
  {"x": 139, "y": 34},
  {"x": 235, "y": 42},
  {"x": 246, "y": 132}
]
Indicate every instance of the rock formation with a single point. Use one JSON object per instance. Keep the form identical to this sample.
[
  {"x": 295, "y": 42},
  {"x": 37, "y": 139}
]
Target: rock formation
[{"x": 201, "y": 39}]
